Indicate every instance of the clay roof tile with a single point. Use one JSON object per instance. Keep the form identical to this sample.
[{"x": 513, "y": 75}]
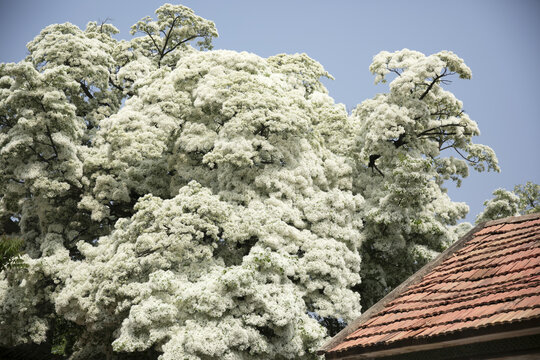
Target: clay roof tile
[{"x": 489, "y": 277}]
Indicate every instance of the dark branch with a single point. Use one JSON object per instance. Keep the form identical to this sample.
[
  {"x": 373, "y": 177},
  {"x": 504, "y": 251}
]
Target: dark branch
[
  {"x": 162, "y": 53},
  {"x": 49, "y": 135},
  {"x": 129, "y": 93},
  {"x": 262, "y": 131},
  {"x": 429, "y": 132},
  {"x": 103, "y": 23},
  {"x": 167, "y": 37},
  {"x": 86, "y": 90},
  {"x": 400, "y": 141},
  {"x": 466, "y": 158},
  {"x": 180, "y": 43},
  {"x": 48, "y": 161},
  {"x": 115, "y": 85},
  {"x": 430, "y": 86},
  {"x": 395, "y": 71},
  {"x": 441, "y": 148},
  {"x": 372, "y": 165},
  {"x": 152, "y": 38}
]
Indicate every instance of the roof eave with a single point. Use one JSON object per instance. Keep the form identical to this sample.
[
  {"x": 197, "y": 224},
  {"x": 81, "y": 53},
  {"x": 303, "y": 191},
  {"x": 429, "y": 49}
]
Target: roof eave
[{"x": 463, "y": 337}]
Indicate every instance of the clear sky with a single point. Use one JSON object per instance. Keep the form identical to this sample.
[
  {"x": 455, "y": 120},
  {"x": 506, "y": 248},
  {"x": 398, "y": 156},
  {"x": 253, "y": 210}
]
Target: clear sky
[{"x": 499, "y": 40}]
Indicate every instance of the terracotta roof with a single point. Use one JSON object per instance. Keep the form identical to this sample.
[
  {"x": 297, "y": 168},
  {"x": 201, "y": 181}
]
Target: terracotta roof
[{"x": 487, "y": 280}]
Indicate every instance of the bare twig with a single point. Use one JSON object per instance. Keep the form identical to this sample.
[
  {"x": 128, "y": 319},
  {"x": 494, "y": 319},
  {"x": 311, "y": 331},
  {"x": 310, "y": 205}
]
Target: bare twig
[{"x": 466, "y": 158}]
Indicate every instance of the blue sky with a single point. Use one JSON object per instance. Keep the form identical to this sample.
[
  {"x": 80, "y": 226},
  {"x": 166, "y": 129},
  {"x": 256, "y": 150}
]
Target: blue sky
[{"x": 499, "y": 40}]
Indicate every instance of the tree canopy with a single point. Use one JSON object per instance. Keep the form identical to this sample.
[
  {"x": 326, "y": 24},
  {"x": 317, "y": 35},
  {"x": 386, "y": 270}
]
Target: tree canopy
[
  {"x": 525, "y": 199},
  {"x": 191, "y": 203}
]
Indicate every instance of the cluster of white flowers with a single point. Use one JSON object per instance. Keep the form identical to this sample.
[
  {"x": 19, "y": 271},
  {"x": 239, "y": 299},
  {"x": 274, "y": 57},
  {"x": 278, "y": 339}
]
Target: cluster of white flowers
[
  {"x": 173, "y": 276},
  {"x": 401, "y": 136},
  {"x": 504, "y": 203}
]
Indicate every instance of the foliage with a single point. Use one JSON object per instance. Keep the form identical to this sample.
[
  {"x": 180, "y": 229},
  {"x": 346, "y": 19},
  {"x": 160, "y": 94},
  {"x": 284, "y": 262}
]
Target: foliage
[
  {"x": 525, "y": 199},
  {"x": 529, "y": 197},
  {"x": 65, "y": 334},
  {"x": 401, "y": 135},
  {"x": 10, "y": 253},
  {"x": 214, "y": 204}
]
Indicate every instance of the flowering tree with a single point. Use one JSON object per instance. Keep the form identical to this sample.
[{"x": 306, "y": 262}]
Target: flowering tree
[
  {"x": 213, "y": 204},
  {"x": 525, "y": 199},
  {"x": 400, "y": 136}
]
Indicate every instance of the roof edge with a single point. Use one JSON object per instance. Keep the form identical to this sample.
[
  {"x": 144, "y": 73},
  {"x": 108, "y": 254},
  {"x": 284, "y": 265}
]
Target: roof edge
[
  {"x": 413, "y": 279},
  {"x": 458, "y": 338}
]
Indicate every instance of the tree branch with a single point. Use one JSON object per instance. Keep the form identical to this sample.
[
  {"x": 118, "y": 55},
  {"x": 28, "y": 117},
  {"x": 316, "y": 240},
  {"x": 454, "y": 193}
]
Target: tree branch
[
  {"x": 395, "y": 71},
  {"x": 152, "y": 38},
  {"x": 49, "y": 135},
  {"x": 48, "y": 161},
  {"x": 465, "y": 158},
  {"x": 129, "y": 93},
  {"x": 181, "y": 42},
  {"x": 103, "y": 23},
  {"x": 115, "y": 85},
  {"x": 372, "y": 165},
  {"x": 85, "y": 89},
  {"x": 429, "y": 131},
  {"x": 430, "y": 86},
  {"x": 400, "y": 141},
  {"x": 262, "y": 131},
  {"x": 167, "y": 37}
]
